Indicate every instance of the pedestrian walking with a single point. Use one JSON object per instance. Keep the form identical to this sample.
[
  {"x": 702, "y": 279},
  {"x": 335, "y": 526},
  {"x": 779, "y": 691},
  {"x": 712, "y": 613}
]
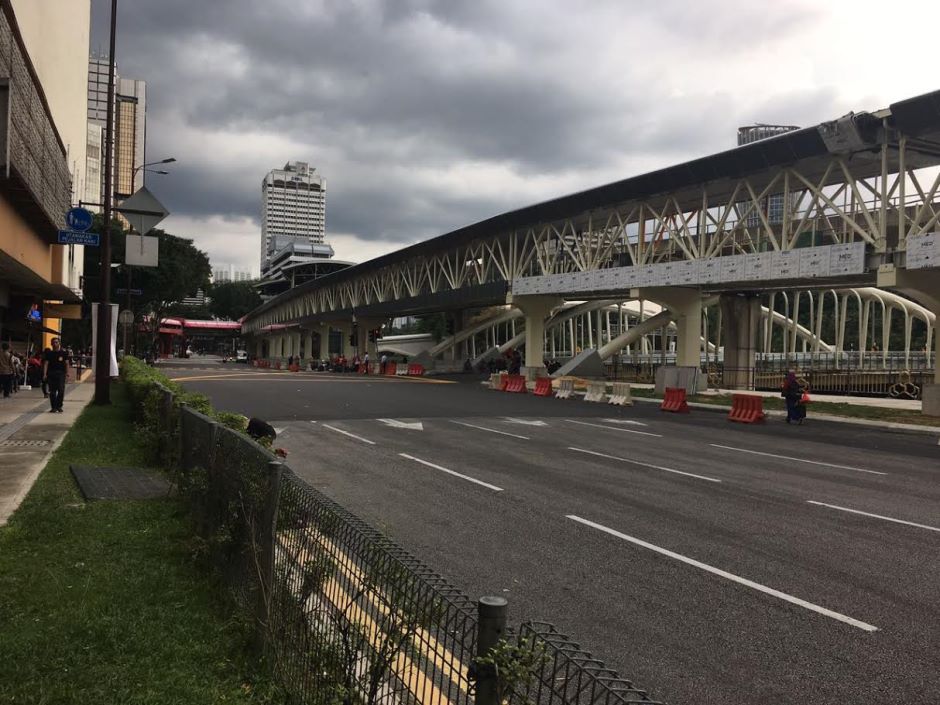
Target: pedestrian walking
[
  {"x": 365, "y": 361},
  {"x": 792, "y": 393},
  {"x": 6, "y": 370},
  {"x": 55, "y": 368}
]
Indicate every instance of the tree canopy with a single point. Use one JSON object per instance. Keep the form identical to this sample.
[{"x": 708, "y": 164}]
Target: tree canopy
[{"x": 232, "y": 300}]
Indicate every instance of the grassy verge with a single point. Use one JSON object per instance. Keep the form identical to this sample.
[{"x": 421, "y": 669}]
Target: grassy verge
[
  {"x": 102, "y": 602},
  {"x": 874, "y": 413}
]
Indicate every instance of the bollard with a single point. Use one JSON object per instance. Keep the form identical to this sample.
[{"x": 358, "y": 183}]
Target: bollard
[{"x": 491, "y": 625}]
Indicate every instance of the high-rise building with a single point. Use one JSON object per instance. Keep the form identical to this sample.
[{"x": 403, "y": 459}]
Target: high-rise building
[
  {"x": 94, "y": 158},
  {"x": 130, "y": 124},
  {"x": 231, "y": 274},
  {"x": 293, "y": 209},
  {"x": 773, "y": 204}
]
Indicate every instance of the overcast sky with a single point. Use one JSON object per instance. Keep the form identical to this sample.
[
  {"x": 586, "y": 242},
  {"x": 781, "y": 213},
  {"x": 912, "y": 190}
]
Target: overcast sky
[{"x": 425, "y": 116}]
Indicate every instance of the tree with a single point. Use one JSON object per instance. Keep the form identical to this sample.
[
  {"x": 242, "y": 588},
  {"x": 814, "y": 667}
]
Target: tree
[{"x": 232, "y": 300}]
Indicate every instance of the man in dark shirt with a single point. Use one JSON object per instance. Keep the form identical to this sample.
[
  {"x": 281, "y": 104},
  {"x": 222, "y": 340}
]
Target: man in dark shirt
[{"x": 54, "y": 369}]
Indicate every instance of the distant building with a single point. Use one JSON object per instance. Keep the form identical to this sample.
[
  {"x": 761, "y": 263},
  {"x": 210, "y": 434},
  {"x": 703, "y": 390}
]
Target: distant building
[
  {"x": 197, "y": 299},
  {"x": 293, "y": 209},
  {"x": 773, "y": 204},
  {"x": 231, "y": 274},
  {"x": 130, "y": 126},
  {"x": 297, "y": 262}
]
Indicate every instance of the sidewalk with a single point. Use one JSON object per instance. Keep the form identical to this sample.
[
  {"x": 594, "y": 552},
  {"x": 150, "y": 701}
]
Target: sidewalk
[{"x": 29, "y": 435}]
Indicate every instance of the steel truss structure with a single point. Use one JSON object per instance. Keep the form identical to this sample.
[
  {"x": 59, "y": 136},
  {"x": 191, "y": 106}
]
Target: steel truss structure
[{"x": 859, "y": 179}]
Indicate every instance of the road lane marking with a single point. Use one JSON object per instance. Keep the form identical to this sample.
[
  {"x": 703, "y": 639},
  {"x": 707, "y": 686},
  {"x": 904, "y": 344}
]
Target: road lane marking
[
  {"x": 452, "y": 472},
  {"x": 347, "y": 433},
  {"x": 614, "y": 428},
  {"x": 798, "y": 460},
  {"x": 874, "y": 516},
  {"x": 525, "y": 422},
  {"x": 628, "y": 422},
  {"x": 729, "y": 576},
  {"x": 491, "y": 430},
  {"x": 395, "y": 423},
  {"x": 645, "y": 465}
]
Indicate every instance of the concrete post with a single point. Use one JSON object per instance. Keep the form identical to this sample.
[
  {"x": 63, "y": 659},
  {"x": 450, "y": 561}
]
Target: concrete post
[
  {"x": 536, "y": 310},
  {"x": 922, "y": 285},
  {"x": 741, "y": 320}
]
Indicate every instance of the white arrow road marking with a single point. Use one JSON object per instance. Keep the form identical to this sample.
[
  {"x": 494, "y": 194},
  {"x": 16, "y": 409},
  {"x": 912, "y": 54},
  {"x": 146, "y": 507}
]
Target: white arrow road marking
[
  {"x": 525, "y": 422},
  {"x": 628, "y": 422},
  {"x": 395, "y": 423},
  {"x": 864, "y": 626}
]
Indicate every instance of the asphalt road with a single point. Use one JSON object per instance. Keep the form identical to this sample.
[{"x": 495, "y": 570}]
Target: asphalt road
[{"x": 710, "y": 562}]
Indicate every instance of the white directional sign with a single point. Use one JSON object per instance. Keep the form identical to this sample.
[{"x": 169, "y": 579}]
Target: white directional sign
[
  {"x": 923, "y": 251},
  {"x": 142, "y": 251}
]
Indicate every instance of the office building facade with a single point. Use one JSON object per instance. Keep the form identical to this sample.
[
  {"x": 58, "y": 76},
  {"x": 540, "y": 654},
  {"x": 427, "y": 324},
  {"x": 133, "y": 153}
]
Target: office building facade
[
  {"x": 230, "y": 274},
  {"x": 293, "y": 209}
]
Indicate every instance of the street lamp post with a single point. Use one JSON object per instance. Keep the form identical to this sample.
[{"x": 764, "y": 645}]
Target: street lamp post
[{"x": 103, "y": 339}]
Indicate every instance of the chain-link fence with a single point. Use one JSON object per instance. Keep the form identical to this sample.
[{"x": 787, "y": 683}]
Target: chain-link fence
[{"x": 342, "y": 612}]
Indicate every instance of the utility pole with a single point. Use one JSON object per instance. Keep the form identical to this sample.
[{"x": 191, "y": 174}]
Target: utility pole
[{"x": 103, "y": 341}]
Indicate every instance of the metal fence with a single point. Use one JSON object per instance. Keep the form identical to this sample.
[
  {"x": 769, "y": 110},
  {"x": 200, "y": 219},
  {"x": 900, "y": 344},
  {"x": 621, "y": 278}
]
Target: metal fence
[{"x": 343, "y": 613}]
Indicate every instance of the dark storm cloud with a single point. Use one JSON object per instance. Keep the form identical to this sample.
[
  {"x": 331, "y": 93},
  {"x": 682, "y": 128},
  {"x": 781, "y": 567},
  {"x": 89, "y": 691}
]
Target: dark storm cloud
[{"x": 385, "y": 97}]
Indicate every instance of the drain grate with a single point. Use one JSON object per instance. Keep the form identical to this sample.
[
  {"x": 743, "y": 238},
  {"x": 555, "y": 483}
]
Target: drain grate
[{"x": 23, "y": 444}]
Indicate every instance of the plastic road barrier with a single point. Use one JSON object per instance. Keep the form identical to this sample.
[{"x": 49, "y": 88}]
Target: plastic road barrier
[
  {"x": 543, "y": 387},
  {"x": 515, "y": 384},
  {"x": 415, "y": 370},
  {"x": 277, "y": 365},
  {"x": 565, "y": 388},
  {"x": 620, "y": 395},
  {"x": 675, "y": 401},
  {"x": 401, "y": 370},
  {"x": 596, "y": 391},
  {"x": 496, "y": 381},
  {"x": 746, "y": 408}
]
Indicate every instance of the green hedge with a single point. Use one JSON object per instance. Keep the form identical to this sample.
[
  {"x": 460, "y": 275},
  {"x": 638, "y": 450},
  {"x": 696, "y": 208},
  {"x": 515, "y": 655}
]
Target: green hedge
[{"x": 145, "y": 385}]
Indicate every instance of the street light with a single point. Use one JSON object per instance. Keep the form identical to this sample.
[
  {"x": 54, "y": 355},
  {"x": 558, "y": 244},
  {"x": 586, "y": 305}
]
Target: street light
[{"x": 168, "y": 160}]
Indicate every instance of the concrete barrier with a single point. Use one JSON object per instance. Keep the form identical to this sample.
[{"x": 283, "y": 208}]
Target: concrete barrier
[
  {"x": 620, "y": 395},
  {"x": 565, "y": 388},
  {"x": 596, "y": 392}
]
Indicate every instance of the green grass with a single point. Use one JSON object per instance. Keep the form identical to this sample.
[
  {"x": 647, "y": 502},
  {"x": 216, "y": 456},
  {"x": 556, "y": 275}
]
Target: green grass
[
  {"x": 875, "y": 413},
  {"x": 102, "y": 603}
]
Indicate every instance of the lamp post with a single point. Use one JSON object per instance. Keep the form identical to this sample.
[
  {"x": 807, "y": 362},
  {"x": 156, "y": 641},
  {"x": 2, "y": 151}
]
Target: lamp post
[{"x": 103, "y": 339}]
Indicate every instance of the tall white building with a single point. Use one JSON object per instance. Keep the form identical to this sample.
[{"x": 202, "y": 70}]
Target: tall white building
[
  {"x": 293, "y": 209},
  {"x": 230, "y": 274}
]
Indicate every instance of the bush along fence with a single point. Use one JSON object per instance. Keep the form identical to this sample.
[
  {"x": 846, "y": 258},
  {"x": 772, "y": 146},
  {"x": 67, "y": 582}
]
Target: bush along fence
[{"x": 342, "y": 613}]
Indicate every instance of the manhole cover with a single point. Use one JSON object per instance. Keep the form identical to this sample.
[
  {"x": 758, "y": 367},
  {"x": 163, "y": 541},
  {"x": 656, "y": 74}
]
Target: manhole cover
[
  {"x": 23, "y": 444},
  {"x": 119, "y": 483}
]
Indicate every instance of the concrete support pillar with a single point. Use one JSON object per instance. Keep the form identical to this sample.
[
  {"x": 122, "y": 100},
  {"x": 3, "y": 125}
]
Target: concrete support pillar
[
  {"x": 536, "y": 310},
  {"x": 741, "y": 325},
  {"x": 458, "y": 350},
  {"x": 686, "y": 307},
  {"x": 345, "y": 328},
  {"x": 922, "y": 285}
]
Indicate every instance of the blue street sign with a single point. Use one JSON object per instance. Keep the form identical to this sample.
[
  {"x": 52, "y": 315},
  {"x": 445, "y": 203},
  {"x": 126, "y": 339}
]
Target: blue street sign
[
  {"x": 79, "y": 219},
  {"x": 70, "y": 237}
]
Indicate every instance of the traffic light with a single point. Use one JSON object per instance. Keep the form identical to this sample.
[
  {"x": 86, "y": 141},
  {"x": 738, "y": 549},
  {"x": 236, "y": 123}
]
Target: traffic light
[{"x": 374, "y": 335}]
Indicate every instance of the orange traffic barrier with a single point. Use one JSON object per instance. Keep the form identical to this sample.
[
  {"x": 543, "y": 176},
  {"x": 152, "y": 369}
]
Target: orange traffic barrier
[
  {"x": 746, "y": 408},
  {"x": 390, "y": 369},
  {"x": 515, "y": 384},
  {"x": 674, "y": 401},
  {"x": 415, "y": 370},
  {"x": 543, "y": 387},
  {"x": 277, "y": 365}
]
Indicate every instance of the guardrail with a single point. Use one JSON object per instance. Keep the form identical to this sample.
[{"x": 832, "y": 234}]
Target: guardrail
[{"x": 344, "y": 613}]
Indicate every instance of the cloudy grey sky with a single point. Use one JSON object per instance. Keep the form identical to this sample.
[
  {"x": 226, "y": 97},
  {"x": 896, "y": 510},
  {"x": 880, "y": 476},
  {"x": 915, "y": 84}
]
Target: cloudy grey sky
[{"x": 426, "y": 115}]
